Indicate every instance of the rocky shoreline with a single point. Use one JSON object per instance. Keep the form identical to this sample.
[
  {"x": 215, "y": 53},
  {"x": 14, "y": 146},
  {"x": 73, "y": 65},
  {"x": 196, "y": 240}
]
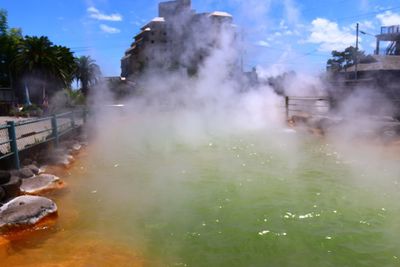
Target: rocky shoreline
[{"x": 22, "y": 192}]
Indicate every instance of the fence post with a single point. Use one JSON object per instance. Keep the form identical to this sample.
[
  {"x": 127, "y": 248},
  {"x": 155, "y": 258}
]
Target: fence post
[
  {"x": 84, "y": 116},
  {"x": 287, "y": 107},
  {"x": 13, "y": 143},
  {"x": 72, "y": 119},
  {"x": 54, "y": 129}
]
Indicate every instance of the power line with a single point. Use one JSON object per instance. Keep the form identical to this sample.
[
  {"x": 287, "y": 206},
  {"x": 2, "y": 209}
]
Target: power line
[{"x": 368, "y": 14}]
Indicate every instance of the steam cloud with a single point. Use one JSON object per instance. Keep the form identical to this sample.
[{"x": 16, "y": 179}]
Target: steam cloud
[
  {"x": 177, "y": 129},
  {"x": 172, "y": 107}
]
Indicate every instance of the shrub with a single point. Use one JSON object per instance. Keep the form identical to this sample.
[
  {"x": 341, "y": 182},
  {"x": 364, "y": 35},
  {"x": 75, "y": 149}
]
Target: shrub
[{"x": 27, "y": 111}]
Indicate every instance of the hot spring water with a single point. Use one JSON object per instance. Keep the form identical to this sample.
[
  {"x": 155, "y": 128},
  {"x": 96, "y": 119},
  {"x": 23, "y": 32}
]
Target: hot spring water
[{"x": 255, "y": 198}]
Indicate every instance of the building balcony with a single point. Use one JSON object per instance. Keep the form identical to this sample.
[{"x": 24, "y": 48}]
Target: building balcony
[
  {"x": 389, "y": 33},
  {"x": 390, "y": 29}
]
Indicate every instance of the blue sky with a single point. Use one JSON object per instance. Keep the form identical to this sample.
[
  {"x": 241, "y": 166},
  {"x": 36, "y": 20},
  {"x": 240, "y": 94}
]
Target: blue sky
[{"x": 280, "y": 34}]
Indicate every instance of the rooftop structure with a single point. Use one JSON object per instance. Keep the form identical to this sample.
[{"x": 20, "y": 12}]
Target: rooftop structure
[
  {"x": 220, "y": 14},
  {"x": 389, "y": 34},
  {"x": 379, "y": 63}
]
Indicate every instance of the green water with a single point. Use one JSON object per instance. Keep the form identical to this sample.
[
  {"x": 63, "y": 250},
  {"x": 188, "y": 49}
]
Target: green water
[{"x": 243, "y": 200}]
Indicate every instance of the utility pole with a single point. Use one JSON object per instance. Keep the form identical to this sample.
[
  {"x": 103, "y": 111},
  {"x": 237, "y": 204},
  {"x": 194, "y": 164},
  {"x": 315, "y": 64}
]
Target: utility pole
[{"x": 356, "y": 57}]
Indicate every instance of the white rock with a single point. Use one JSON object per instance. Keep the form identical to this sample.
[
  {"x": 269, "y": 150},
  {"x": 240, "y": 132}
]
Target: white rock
[
  {"x": 39, "y": 183},
  {"x": 26, "y": 211},
  {"x": 76, "y": 147}
]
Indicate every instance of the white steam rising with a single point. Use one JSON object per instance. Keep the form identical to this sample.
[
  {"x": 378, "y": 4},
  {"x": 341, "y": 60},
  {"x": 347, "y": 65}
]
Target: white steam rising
[
  {"x": 179, "y": 133},
  {"x": 172, "y": 107},
  {"x": 210, "y": 102}
]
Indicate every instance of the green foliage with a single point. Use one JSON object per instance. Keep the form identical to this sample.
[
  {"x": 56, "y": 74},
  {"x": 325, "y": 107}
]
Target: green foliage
[
  {"x": 341, "y": 60},
  {"x": 76, "y": 97},
  {"x": 66, "y": 99},
  {"x": 39, "y": 65},
  {"x": 87, "y": 73},
  {"x": 32, "y": 107},
  {"x": 39, "y": 57},
  {"x": 44, "y": 67},
  {"x": 32, "y": 110},
  {"x": 9, "y": 40},
  {"x": 3, "y": 22},
  {"x": 27, "y": 111},
  {"x": 66, "y": 64}
]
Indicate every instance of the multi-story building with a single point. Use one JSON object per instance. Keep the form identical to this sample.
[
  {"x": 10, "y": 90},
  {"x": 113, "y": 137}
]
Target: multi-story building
[{"x": 178, "y": 38}]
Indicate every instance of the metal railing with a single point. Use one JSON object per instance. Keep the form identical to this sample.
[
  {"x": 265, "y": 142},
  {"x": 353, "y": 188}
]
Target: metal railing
[
  {"x": 326, "y": 107},
  {"x": 309, "y": 106},
  {"x": 390, "y": 29},
  {"x": 19, "y": 136}
]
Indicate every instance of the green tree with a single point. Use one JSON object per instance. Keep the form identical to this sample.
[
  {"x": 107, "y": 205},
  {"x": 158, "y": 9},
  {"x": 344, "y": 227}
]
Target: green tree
[
  {"x": 3, "y": 22},
  {"x": 341, "y": 60},
  {"x": 335, "y": 63},
  {"x": 67, "y": 65},
  {"x": 87, "y": 73},
  {"x": 9, "y": 41},
  {"x": 43, "y": 67}
]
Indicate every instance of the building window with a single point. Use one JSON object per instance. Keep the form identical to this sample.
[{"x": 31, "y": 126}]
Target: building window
[{"x": 152, "y": 41}]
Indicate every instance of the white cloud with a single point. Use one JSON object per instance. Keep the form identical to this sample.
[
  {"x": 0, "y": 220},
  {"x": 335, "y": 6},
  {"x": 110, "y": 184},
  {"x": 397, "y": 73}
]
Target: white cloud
[
  {"x": 329, "y": 36},
  {"x": 263, "y": 43},
  {"x": 367, "y": 25},
  {"x": 388, "y": 18},
  {"x": 108, "y": 29},
  {"x": 282, "y": 25},
  {"x": 94, "y": 13}
]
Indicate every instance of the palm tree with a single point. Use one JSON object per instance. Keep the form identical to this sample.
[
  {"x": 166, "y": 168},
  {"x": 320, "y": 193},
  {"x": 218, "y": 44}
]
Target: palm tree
[
  {"x": 3, "y": 22},
  {"x": 87, "y": 73},
  {"x": 67, "y": 65},
  {"x": 44, "y": 68}
]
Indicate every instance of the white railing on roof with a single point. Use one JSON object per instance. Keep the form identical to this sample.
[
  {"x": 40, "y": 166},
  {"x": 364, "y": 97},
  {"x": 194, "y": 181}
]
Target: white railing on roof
[{"x": 390, "y": 29}]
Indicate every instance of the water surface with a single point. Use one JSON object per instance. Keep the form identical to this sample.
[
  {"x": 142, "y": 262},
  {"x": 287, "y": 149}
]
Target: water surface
[{"x": 250, "y": 199}]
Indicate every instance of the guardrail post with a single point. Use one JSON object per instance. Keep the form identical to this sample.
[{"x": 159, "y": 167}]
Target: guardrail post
[
  {"x": 54, "y": 129},
  {"x": 287, "y": 107},
  {"x": 72, "y": 119},
  {"x": 13, "y": 143},
  {"x": 84, "y": 116}
]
